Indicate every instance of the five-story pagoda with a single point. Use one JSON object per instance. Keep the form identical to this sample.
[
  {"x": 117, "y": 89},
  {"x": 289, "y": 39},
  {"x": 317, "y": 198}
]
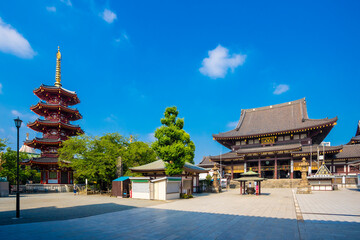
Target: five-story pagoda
[{"x": 55, "y": 125}]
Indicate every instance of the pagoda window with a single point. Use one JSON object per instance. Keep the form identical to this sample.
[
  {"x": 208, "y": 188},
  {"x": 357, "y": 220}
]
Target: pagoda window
[
  {"x": 287, "y": 137},
  {"x": 303, "y": 135},
  {"x": 237, "y": 143},
  {"x": 296, "y": 136},
  {"x": 256, "y": 141},
  {"x": 52, "y": 175},
  {"x": 280, "y": 138},
  {"x": 243, "y": 142},
  {"x": 251, "y": 141}
]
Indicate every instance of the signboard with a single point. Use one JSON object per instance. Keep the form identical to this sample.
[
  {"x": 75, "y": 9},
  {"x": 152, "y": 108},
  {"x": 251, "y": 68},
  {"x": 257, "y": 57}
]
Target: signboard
[
  {"x": 321, "y": 157},
  {"x": 268, "y": 140}
]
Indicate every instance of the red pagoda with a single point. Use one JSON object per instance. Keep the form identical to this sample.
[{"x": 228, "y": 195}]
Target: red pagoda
[{"x": 55, "y": 126}]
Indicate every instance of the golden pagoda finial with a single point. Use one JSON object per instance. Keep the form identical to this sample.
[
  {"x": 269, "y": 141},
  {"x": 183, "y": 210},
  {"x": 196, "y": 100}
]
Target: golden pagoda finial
[
  {"x": 131, "y": 139},
  {"x": 58, "y": 69}
]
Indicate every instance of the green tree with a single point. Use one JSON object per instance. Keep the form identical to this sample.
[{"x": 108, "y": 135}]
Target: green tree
[
  {"x": 2, "y": 144},
  {"x": 96, "y": 158},
  {"x": 93, "y": 158},
  {"x": 137, "y": 153},
  {"x": 173, "y": 144},
  {"x": 8, "y": 168}
]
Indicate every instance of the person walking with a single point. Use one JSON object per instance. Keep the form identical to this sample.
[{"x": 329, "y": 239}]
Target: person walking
[{"x": 75, "y": 189}]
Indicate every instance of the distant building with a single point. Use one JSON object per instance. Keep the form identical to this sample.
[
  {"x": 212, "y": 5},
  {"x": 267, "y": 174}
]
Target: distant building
[{"x": 272, "y": 141}]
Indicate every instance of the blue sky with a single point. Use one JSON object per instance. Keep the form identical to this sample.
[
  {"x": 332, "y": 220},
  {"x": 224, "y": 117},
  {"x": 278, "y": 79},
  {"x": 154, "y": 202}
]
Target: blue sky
[{"x": 129, "y": 60}]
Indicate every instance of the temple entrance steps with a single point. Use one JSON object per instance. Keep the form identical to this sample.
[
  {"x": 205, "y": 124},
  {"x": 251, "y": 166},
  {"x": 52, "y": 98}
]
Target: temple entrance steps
[{"x": 272, "y": 183}]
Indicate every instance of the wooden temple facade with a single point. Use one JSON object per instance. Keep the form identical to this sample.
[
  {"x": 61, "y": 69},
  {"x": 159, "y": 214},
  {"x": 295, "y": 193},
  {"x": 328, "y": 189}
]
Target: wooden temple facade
[
  {"x": 272, "y": 141},
  {"x": 55, "y": 126}
]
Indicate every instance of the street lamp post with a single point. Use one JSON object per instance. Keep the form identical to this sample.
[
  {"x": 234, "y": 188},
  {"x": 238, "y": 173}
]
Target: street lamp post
[{"x": 18, "y": 125}]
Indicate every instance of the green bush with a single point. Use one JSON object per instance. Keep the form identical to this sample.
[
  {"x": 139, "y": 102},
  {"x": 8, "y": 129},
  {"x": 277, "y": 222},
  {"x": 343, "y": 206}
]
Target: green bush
[{"x": 186, "y": 196}]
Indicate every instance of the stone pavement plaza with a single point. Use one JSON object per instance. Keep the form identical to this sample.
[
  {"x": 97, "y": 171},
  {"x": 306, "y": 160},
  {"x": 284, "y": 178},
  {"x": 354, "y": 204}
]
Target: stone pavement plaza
[{"x": 326, "y": 215}]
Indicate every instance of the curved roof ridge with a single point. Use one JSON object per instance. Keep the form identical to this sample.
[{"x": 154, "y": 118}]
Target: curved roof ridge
[{"x": 276, "y": 105}]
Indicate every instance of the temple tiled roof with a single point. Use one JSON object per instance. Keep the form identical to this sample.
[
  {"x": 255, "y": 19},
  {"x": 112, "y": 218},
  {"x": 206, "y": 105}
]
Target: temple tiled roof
[
  {"x": 313, "y": 149},
  {"x": 206, "y": 162},
  {"x": 349, "y": 151},
  {"x": 225, "y": 156},
  {"x": 356, "y": 139},
  {"x": 274, "y": 119},
  {"x": 159, "y": 165},
  {"x": 274, "y": 149}
]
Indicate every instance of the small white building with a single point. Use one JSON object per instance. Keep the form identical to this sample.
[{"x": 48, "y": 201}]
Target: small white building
[
  {"x": 166, "y": 188},
  {"x": 140, "y": 187}
]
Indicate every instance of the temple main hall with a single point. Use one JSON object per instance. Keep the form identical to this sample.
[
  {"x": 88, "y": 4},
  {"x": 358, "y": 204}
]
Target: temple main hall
[{"x": 272, "y": 140}]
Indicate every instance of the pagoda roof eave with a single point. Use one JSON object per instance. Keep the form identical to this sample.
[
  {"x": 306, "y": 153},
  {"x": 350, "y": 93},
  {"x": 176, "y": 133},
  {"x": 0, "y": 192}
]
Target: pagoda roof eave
[
  {"x": 53, "y": 124},
  {"x": 42, "y": 105},
  {"x": 54, "y": 89},
  {"x": 38, "y": 142},
  {"x": 42, "y": 161}
]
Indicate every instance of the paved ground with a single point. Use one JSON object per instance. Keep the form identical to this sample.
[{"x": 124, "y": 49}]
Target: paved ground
[
  {"x": 327, "y": 215},
  {"x": 62, "y": 206}
]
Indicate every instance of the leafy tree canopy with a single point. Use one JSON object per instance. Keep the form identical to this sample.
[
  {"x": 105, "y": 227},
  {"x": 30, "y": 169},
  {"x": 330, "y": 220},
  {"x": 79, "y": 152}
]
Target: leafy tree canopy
[
  {"x": 173, "y": 144},
  {"x": 137, "y": 154},
  {"x": 96, "y": 158},
  {"x": 8, "y": 165},
  {"x": 2, "y": 144}
]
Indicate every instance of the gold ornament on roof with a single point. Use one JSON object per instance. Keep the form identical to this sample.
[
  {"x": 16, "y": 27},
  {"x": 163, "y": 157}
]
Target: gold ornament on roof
[{"x": 58, "y": 69}]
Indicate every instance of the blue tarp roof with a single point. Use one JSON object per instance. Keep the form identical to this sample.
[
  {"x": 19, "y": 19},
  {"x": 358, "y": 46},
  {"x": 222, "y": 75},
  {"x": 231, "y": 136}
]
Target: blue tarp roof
[{"x": 120, "y": 179}]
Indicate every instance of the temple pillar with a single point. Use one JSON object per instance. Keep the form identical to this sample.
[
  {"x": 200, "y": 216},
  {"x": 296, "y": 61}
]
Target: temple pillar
[
  {"x": 197, "y": 182},
  {"x": 347, "y": 168},
  {"x": 259, "y": 167},
  {"x": 292, "y": 168},
  {"x": 232, "y": 169},
  {"x": 46, "y": 176},
  {"x": 259, "y": 187},
  {"x": 192, "y": 184},
  {"x": 240, "y": 188},
  {"x": 332, "y": 166},
  {"x": 245, "y": 167},
  {"x": 275, "y": 169}
]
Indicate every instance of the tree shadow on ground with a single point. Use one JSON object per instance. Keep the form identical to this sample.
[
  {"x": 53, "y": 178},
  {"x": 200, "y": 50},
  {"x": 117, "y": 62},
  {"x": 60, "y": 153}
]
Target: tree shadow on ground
[{"x": 45, "y": 214}]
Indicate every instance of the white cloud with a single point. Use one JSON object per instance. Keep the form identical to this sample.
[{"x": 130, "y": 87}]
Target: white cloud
[
  {"x": 232, "y": 124},
  {"x": 108, "y": 16},
  {"x": 13, "y": 42},
  {"x": 67, "y": 2},
  {"x": 111, "y": 118},
  {"x": 281, "y": 88},
  {"x": 16, "y": 113},
  {"x": 219, "y": 62},
  {"x": 25, "y": 117},
  {"x": 51, "y": 9},
  {"x": 1, "y": 87},
  {"x": 122, "y": 38},
  {"x": 151, "y": 137}
]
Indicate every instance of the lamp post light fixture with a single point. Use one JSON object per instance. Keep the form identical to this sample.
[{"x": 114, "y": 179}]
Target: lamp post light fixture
[{"x": 17, "y": 125}]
